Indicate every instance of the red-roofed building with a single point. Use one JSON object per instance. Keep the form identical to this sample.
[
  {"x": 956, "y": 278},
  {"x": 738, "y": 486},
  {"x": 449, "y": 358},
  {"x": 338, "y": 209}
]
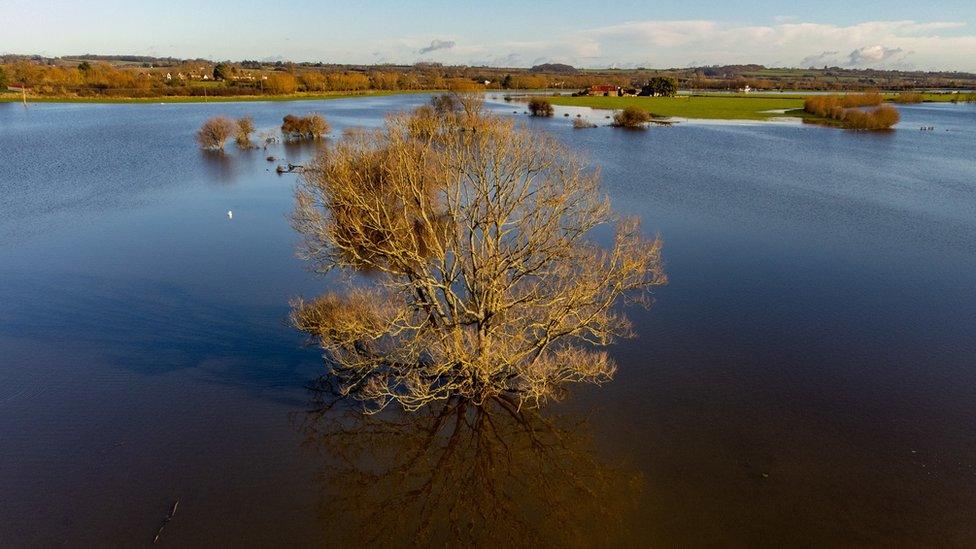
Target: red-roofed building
[{"x": 604, "y": 90}]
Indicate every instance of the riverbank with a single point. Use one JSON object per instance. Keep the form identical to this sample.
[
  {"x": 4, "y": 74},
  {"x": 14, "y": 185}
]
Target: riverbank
[
  {"x": 694, "y": 106},
  {"x": 15, "y": 98}
]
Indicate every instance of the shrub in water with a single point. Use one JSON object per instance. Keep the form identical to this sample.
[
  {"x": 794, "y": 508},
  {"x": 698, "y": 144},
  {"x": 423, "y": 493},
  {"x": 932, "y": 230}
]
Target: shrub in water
[
  {"x": 215, "y": 132},
  {"x": 631, "y": 117},
  {"x": 540, "y": 107}
]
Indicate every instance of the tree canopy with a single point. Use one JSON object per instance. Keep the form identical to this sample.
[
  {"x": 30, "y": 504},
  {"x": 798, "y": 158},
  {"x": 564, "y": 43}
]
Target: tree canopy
[{"x": 485, "y": 280}]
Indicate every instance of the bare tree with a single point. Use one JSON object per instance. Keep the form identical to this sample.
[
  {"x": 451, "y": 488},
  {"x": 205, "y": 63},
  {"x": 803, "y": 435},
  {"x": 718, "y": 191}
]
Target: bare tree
[
  {"x": 485, "y": 279},
  {"x": 245, "y": 127},
  {"x": 215, "y": 132}
]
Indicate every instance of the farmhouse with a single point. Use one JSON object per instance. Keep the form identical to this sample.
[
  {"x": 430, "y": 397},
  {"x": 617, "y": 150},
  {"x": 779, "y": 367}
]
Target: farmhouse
[{"x": 604, "y": 90}]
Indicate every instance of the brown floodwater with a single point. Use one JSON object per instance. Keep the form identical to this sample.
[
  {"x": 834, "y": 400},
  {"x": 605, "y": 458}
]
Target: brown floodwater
[{"x": 807, "y": 378}]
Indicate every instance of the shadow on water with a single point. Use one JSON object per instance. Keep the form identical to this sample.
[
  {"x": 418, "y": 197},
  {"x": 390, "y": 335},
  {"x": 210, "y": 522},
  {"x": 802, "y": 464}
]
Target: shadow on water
[{"x": 459, "y": 474}]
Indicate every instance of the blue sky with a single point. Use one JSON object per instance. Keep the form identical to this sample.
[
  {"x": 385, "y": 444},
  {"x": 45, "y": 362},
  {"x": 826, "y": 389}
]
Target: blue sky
[{"x": 891, "y": 34}]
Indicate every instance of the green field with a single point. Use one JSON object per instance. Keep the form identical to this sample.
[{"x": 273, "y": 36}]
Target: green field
[{"x": 705, "y": 107}]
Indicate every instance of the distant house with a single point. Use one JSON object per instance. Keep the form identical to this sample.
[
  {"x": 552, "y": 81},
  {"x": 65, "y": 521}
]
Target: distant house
[
  {"x": 604, "y": 90},
  {"x": 746, "y": 89}
]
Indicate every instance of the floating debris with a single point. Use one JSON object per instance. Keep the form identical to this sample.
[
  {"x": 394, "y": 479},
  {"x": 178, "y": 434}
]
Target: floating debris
[
  {"x": 289, "y": 168},
  {"x": 230, "y": 214},
  {"x": 169, "y": 517}
]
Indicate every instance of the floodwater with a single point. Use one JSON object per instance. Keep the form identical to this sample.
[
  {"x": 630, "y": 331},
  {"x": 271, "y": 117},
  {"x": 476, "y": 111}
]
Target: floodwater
[{"x": 807, "y": 377}]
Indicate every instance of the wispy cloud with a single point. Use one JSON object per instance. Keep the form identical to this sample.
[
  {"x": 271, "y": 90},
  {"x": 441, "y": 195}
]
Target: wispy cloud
[{"x": 436, "y": 45}]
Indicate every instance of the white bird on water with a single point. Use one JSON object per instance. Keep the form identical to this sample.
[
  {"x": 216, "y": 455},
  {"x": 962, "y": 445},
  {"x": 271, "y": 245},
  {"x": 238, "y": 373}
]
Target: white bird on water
[{"x": 230, "y": 214}]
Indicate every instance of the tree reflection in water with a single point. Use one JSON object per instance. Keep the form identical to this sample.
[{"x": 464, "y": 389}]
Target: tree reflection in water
[{"x": 464, "y": 474}]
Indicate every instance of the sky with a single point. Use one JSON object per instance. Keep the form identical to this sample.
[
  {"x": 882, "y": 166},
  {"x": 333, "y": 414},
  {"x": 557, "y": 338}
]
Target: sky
[{"x": 894, "y": 34}]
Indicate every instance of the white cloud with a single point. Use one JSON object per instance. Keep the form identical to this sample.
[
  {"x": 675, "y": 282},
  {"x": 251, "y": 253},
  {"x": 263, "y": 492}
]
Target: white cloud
[
  {"x": 871, "y": 43},
  {"x": 870, "y": 55}
]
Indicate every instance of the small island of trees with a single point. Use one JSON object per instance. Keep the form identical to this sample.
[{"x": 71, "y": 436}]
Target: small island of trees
[{"x": 847, "y": 111}]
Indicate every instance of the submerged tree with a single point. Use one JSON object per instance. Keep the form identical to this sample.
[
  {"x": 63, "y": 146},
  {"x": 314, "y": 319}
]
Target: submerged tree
[
  {"x": 215, "y": 132},
  {"x": 485, "y": 282},
  {"x": 540, "y": 107},
  {"x": 308, "y": 127},
  {"x": 245, "y": 127},
  {"x": 631, "y": 117}
]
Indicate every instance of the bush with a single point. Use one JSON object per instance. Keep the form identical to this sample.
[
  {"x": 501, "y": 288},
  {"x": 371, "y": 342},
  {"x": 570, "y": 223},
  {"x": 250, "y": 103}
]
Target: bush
[
  {"x": 879, "y": 118},
  {"x": 632, "y": 117},
  {"x": 829, "y": 106},
  {"x": 581, "y": 123},
  {"x": 540, "y": 107},
  {"x": 215, "y": 132},
  {"x": 309, "y": 127},
  {"x": 845, "y": 109},
  {"x": 245, "y": 127}
]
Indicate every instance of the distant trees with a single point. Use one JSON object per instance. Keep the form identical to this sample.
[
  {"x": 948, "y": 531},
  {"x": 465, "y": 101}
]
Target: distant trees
[
  {"x": 308, "y": 127},
  {"x": 631, "y": 117},
  {"x": 245, "y": 127},
  {"x": 281, "y": 83},
  {"x": 846, "y": 110},
  {"x": 539, "y": 106},
  {"x": 3, "y": 80},
  {"x": 664, "y": 86},
  {"x": 222, "y": 71},
  {"x": 98, "y": 76},
  {"x": 215, "y": 132}
]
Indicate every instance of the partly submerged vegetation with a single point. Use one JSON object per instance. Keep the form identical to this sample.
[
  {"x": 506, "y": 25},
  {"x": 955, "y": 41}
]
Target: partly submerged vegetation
[
  {"x": 539, "y": 106},
  {"x": 631, "y": 117},
  {"x": 245, "y": 127},
  {"x": 298, "y": 128},
  {"x": 485, "y": 280},
  {"x": 848, "y": 111},
  {"x": 215, "y": 132}
]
